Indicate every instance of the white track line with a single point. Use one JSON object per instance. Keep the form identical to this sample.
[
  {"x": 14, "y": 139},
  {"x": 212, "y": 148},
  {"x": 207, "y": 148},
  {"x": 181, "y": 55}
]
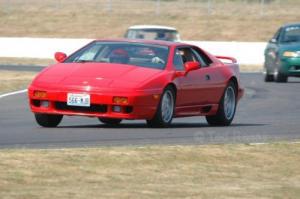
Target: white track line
[
  {"x": 266, "y": 143},
  {"x": 13, "y": 93},
  {"x": 251, "y": 72}
]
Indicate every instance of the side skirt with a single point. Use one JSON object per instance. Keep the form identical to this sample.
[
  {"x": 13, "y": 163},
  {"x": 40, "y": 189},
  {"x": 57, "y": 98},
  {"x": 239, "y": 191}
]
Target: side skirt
[{"x": 198, "y": 110}]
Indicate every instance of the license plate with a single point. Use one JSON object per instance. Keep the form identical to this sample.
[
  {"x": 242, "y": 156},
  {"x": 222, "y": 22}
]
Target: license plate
[{"x": 78, "y": 100}]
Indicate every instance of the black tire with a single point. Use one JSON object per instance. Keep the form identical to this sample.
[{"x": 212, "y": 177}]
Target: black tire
[
  {"x": 158, "y": 120},
  {"x": 220, "y": 119},
  {"x": 279, "y": 77},
  {"x": 110, "y": 121},
  {"x": 48, "y": 120},
  {"x": 267, "y": 76}
]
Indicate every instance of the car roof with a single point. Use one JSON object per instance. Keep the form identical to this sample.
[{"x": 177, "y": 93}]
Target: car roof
[
  {"x": 151, "y": 27},
  {"x": 290, "y": 24},
  {"x": 144, "y": 41}
]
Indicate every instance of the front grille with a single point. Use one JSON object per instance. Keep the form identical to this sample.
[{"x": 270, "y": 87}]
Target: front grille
[
  {"x": 296, "y": 67},
  {"x": 94, "y": 108}
]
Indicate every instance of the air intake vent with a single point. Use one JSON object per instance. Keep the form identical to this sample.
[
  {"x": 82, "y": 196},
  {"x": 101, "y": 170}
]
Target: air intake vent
[{"x": 94, "y": 108}]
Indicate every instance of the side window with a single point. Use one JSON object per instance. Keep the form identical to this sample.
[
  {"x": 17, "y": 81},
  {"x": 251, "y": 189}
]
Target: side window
[
  {"x": 177, "y": 61},
  {"x": 199, "y": 58},
  {"x": 187, "y": 55},
  {"x": 183, "y": 55},
  {"x": 202, "y": 57}
]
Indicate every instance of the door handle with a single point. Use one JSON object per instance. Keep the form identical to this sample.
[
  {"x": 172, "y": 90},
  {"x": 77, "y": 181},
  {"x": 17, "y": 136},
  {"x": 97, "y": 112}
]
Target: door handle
[{"x": 207, "y": 77}]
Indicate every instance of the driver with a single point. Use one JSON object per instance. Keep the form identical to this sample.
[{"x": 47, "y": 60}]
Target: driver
[
  {"x": 159, "y": 57},
  {"x": 119, "y": 56}
]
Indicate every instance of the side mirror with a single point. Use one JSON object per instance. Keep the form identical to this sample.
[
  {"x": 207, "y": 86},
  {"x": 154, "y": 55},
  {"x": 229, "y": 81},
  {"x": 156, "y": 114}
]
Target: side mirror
[
  {"x": 60, "y": 57},
  {"x": 191, "y": 65},
  {"x": 273, "y": 41}
]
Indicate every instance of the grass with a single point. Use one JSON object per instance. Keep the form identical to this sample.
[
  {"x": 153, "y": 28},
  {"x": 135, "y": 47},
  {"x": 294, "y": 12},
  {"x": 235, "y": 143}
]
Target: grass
[
  {"x": 25, "y": 61},
  {"x": 226, "y": 20},
  {"x": 216, "y": 171},
  {"x": 251, "y": 68},
  {"x": 14, "y": 80}
]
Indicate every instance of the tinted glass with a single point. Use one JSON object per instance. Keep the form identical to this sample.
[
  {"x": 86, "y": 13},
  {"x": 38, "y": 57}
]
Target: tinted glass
[
  {"x": 178, "y": 63},
  {"x": 191, "y": 54},
  {"x": 291, "y": 34},
  {"x": 138, "y": 54},
  {"x": 187, "y": 55},
  {"x": 153, "y": 34},
  {"x": 202, "y": 57}
]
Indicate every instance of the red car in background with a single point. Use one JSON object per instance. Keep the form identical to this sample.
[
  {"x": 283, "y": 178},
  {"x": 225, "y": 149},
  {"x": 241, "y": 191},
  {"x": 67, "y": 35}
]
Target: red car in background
[{"x": 137, "y": 79}]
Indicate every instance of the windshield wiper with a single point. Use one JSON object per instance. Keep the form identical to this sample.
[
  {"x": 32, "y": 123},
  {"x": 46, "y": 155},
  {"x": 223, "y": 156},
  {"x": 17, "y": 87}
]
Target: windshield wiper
[
  {"x": 89, "y": 61},
  {"x": 291, "y": 40},
  {"x": 83, "y": 61}
]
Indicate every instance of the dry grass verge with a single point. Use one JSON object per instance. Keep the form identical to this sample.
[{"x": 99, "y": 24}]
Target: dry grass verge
[
  {"x": 26, "y": 61},
  {"x": 14, "y": 80},
  {"x": 251, "y": 68},
  {"x": 224, "y": 20},
  {"x": 229, "y": 171}
]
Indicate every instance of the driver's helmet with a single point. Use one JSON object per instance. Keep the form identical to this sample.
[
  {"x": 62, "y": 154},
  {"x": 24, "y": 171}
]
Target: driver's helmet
[
  {"x": 119, "y": 56},
  {"x": 161, "y": 36}
]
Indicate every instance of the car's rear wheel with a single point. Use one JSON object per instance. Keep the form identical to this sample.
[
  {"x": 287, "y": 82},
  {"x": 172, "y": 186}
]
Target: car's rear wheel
[
  {"x": 110, "y": 121},
  {"x": 226, "y": 109},
  {"x": 279, "y": 77},
  {"x": 164, "y": 114},
  {"x": 48, "y": 120}
]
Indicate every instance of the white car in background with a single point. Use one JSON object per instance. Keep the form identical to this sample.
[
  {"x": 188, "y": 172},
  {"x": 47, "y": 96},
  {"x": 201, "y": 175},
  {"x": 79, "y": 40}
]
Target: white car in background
[{"x": 152, "y": 32}]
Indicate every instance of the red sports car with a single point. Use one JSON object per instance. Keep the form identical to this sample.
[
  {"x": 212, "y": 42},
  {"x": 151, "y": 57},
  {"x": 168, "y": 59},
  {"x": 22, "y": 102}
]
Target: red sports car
[{"x": 137, "y": 79}]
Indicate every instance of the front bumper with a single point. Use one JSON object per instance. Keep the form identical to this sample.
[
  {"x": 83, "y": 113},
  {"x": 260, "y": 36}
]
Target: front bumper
[
  {"x": 290, "y": 66},
  {"x": 141, "y": 104}
]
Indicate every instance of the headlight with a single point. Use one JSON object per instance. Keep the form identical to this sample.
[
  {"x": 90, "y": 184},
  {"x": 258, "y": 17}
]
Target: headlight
[{"x": 291, "y": 54}]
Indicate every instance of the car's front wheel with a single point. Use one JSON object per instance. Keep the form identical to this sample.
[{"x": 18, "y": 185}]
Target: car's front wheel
[
  {"x": 279, "y": 76},
  {"x": 48, "y": 120},
  {"x": 226, "y": 109},
  {"x": 164, "y": 114},
  {"x": 268, "y": 77},
  {"x": 110, "y": 121}
]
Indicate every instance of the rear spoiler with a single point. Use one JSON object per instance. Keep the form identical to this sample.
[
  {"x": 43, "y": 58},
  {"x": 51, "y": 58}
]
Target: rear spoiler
[{"x": 233, "y": 60}]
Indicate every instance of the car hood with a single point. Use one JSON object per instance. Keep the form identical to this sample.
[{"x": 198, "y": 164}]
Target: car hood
[
  {"x": 95, "y": 75},
  {"x": 291, "y": 46}
]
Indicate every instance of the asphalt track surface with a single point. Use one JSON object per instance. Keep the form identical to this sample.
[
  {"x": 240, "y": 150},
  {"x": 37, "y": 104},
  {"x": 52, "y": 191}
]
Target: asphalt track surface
[{"x": 268, "y": 112}]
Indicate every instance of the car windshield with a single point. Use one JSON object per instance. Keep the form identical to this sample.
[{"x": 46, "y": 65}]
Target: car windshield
[
  {"x": 291, "y": 34},
  {"x": 138, "y": 54},
  {"x": 153, "y": 34}
]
